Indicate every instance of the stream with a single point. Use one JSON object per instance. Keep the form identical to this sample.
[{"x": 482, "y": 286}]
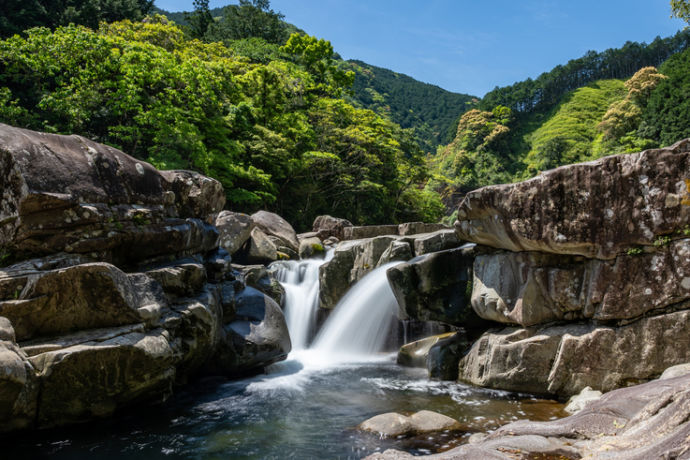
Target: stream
[{"x": 305, "y": 407}]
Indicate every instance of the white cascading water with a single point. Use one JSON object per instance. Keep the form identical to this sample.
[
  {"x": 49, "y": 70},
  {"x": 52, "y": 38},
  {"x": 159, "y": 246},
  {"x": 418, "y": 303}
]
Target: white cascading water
[
  {"x": 359, "y": 324},
  {"x": 300, "y": 279}
]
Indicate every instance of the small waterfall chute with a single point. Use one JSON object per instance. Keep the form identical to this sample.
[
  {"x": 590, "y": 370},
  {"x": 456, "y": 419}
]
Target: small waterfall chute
[
  {"x": 300, "y": 279},
  {"x": 360, "y": 323}
]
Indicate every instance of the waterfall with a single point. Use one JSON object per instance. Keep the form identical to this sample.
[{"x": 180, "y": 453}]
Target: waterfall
[
  {"x": 300, "y": 279},
  {"x": 359, "y": 324}
]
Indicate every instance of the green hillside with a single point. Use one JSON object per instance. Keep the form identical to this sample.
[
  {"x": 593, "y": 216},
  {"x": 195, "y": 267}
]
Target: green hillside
[{"x": 431, "y": 111}]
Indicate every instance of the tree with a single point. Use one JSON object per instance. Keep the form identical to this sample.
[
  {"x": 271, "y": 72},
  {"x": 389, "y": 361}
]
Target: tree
[
  {"x": 681, "y": 9},
  {"x": 200, "y": 19},
  {"x": 249, "y": 19}
]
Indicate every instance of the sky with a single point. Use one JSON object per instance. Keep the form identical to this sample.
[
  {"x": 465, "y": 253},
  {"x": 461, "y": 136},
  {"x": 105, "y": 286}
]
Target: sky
[{"x": 470, "y": 46}]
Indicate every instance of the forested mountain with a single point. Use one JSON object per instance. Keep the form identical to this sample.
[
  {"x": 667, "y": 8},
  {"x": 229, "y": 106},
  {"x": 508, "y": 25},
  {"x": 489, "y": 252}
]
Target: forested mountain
[
  {"x": 603, "y": 103},
  {"x": 431, "y": 111}
]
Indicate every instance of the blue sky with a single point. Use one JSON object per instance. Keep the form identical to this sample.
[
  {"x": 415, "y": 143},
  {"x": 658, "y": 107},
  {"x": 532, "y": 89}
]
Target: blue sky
[{"x": 471, "y": 46}]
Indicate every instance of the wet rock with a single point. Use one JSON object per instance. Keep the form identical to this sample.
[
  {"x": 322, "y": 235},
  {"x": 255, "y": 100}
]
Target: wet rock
[
  {"x": 444, "y": 356},
  {"x": 274, "y": 225},
  {"x": 532, "y": 288},
  {"x": 435, "y": 287},
  {"x": 414, "y": 354},
  {"x": 334, "y": 276},
  {"x": 368, "y": 254},
  {"x": 392, "y": 424},
  {"x": 81, "y": 297},
  {"x": 94, "y": 378},
  {"x": 258, "y": 277},
  {"x": 414, "y": 228},
  {"x": 195, "y": 195},
  {"x": 562, "y": 360},
  {"x": 328, "y": 226},
  {"x": 387, "y": 425},
  {"x": 396, "y": 251},
  {"x": 261, "y": 249},
  {"x": 256, "y": 337},
  {"x": 597, "y": 209},
  {"x": 234, "y": 230},
  {"x": 369, "y": 231},
  {"x": 311, "y": 247}
]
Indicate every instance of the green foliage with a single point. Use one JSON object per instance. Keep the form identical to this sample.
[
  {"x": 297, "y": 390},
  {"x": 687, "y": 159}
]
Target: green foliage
[
  {"x": 430, "y": 111},
  {"x": 666, "y": 118},
  {"x": 200, "y": 19},
  {"x": 634, "y": 251},
  {"x": 569, "y": 133},
  {"x": 273, "y": 132},
  {"x": 661, "y": 241},
  {"x": 249, "y": 19},
  {"x": 18, "y": 15},
  {"x": 681, "y": 9}
]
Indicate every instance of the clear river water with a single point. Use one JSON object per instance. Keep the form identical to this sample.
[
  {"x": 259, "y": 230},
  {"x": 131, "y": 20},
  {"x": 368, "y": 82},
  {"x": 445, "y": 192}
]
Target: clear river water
[{"x": 305, "y": 407}]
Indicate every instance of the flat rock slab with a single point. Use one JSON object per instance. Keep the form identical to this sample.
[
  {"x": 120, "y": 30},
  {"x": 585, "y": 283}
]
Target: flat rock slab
[{"x": 597, "y": 209}]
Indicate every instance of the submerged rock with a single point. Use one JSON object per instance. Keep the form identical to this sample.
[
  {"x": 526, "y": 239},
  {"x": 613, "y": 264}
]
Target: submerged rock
[
  {"x": 392, "y": 424},
  {"x": 641, "y": 422}
]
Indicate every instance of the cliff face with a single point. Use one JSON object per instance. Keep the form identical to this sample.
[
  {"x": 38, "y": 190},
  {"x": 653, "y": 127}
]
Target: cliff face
[
  {"x": 114, "y": 288},
  {"x": 590, "y": 274}
]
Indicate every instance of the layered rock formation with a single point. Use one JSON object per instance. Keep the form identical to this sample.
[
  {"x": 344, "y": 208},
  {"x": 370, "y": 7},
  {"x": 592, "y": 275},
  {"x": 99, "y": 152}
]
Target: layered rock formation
[
  {"x": 114, "y": 288},
  {"x": 595, "y": 283}
]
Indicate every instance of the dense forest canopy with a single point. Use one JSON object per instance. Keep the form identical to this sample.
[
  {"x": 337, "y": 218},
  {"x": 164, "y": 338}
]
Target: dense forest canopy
[{"x": 276, "y": 134}]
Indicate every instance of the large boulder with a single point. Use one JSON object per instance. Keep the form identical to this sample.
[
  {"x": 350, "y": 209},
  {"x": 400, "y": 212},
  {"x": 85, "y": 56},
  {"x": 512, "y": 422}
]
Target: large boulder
[
  {"x": 436, "y": 287},
  {"x": 195, "y": 195},
  {"x": 261, "y": 249},
  {"x": 274, "y": 225},
  {"x": 532, "y": 288},
  {"x": 562, "y": 360},
  {"x": 120, "y": 209},
  {"x": 83, "y": 296},
  {"x": 234, "y": 228},
  {"x": 256, "y": 337},
  {"x": 327, "y": 226},
  {"x": 93, "y": 379},
  {"x": 597, "y": 209}
]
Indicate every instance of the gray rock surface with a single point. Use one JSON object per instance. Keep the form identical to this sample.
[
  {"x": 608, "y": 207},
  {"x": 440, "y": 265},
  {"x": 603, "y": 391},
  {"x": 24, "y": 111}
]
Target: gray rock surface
[
  {"x": 648, "y": 421},
  {"x": 261, "y": 248},
  {"x": 392, "y": 424},
  {"x": 369, "y": 231},
  {"x": 274, "y": 225},
  {"x": 234, "y": 228},
  {"x": 311, "y": 247},
  {"x": 327, "y": 226},
  {"x": 562, "y": 360},
  {"x": 414, "y": 354},
  {"x": 531, "y": 288},
  {"x": 598, "y": 209}
]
